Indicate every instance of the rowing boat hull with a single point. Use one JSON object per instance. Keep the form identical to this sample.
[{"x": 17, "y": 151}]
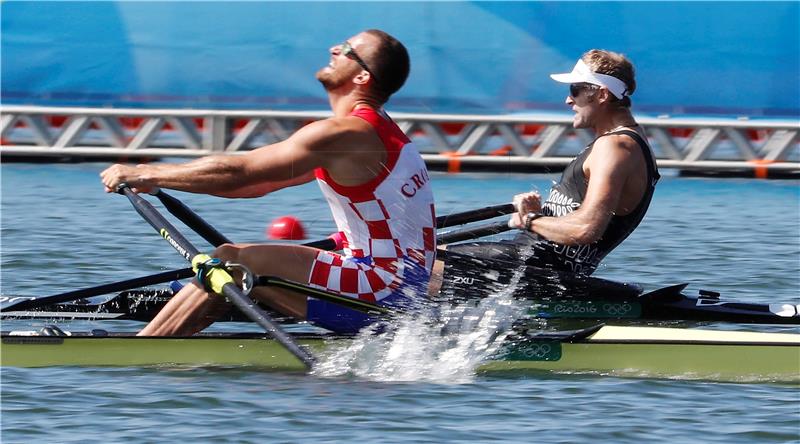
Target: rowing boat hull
[
  {"x": 735, "y": 363},
  {"x": 658, "y": 352},
  {"x": 623, "y": 351},
  {"x": 130, "y": 351}
]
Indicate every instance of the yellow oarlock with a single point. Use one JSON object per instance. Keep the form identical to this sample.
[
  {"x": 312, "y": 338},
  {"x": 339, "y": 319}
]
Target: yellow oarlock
[{"x": 215, "y": 278}]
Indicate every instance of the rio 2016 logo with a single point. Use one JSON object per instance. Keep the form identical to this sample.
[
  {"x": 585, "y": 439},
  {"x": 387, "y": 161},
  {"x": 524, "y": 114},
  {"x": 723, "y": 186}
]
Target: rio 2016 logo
[{"x": 576, "y": 307}]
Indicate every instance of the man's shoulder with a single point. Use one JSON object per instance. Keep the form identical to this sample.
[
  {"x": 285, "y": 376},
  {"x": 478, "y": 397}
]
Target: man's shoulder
[
  {"x": 335, "y": 129},
  {"x": 615, "y": 152},
  {"x": 344, "y": 124},
  {"x": 623, "y": 140},
  {"x": 617, "y": 145}
]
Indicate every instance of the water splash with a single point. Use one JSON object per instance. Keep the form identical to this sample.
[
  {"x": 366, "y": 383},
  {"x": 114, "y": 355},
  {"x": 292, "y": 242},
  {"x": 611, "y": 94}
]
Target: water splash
[{"x": 443, "y": 345}]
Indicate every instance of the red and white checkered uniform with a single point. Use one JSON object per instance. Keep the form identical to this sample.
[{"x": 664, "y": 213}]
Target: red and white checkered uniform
[{"x": 389, "y": 223}]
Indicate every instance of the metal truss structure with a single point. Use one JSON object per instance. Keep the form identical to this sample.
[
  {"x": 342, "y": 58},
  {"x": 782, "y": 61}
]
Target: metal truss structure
[{"x": 514, "y": 142}]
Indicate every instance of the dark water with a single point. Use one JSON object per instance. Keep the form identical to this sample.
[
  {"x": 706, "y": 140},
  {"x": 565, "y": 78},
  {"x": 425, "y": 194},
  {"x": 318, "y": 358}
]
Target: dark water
[{"x": 60, "y": 231}]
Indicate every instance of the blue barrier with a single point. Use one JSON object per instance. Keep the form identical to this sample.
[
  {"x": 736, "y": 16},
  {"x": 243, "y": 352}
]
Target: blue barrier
[{"x": 734, "y": 58}]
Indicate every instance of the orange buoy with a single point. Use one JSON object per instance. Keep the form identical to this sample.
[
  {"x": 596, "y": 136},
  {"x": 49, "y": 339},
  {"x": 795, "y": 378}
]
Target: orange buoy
[{"x": 286, "y": 227}]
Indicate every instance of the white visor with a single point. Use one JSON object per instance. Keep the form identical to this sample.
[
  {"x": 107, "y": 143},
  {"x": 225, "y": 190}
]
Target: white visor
[{"x": 582, "y": 74}]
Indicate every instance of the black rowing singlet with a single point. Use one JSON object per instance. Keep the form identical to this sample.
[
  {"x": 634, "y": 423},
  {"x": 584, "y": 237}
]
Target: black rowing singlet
[{"x": 565, "y": 197}]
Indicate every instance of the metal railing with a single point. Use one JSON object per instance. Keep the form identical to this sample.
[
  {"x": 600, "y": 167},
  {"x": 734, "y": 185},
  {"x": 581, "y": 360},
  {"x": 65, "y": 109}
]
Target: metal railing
[{"x": 458, "y": 142}]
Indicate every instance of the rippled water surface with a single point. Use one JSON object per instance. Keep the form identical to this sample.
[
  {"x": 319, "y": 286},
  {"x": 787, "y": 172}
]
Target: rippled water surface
[{"x": 60, "y": 231}]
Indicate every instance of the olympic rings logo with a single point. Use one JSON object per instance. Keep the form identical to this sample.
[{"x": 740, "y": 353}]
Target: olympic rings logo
[
  {"x": 536, "y": 351},
  {"x": 617, "y": 309}
]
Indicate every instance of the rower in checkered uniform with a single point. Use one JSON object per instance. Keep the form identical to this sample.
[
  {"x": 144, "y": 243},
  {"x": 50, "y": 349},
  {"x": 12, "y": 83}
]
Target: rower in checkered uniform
[
  {"x": 389, "y": 233},
  {"x": 374, "y": 180}
]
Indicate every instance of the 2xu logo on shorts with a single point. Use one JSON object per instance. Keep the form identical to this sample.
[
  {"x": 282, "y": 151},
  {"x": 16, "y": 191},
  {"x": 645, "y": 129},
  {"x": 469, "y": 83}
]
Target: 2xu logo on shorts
[{"x": 460, "y": 280}]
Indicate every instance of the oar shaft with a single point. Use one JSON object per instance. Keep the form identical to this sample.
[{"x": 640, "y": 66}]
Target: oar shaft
[
  {"x": 214, "y": 237},
  {"x": 466, "y": 217},
  {"x": 345, "y": 301},
  {"x": 191, "y": 219},
  {"x": 323, "y": 244},
  {"x": 233, "y": 293},
  {"x": 144, "y": 281},
  {"x": 472, "y": 233},
  {"x": 207, "y": 231},
  {"x": 161, "y": 225}
]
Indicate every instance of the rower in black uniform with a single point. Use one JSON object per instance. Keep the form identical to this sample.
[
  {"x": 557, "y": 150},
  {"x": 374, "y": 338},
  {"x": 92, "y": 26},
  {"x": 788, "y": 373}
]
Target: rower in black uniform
[{"x": 601, "y": 198}]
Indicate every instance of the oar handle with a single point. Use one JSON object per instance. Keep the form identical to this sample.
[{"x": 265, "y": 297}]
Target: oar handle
[{"x": 231, "y": 291}]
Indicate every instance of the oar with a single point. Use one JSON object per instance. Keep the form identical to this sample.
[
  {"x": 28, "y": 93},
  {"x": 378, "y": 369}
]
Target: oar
[
  {"x": 206, "y": 230},
  {"x": 323, "y": 295},
  {"x": 29, "y": 302},
  {"x": 466, "y": 217},
  {"x": 136, "y": 305},
  {"x": 20, "y": 303},
  {"x": 219, "y": 279},
  {"x": 192, "y": 220},
  {"x": 142, "y": 305},
  {"x": 472, "y": 233},
  {"x": 214, "y": 237}
]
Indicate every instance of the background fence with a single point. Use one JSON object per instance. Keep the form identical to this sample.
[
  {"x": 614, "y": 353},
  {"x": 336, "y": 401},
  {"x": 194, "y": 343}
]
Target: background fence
[{"x": 529, "y": 142}]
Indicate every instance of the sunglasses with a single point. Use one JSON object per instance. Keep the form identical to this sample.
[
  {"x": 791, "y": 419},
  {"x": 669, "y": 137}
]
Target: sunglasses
[
  {"x": 350, "y": 53},
  {"x": 576, "y": 88}
]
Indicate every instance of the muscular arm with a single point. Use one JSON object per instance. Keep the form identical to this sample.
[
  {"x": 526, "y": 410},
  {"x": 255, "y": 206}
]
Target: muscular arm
[
  {"x": 608, "y": 168},
  {"x": 287, "y": 163},
  {"x": 262, "y": 189}
]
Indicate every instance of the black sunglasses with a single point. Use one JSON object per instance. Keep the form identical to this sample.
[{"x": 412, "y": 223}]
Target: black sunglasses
[
  {"x": 350, "y": 53},
  {"x": 576, "y": 88}
]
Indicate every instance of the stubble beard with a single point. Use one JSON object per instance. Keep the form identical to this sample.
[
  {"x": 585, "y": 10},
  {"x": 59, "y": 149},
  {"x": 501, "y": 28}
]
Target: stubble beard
[
  {"x": 585, "y": 117},
  {"x": 329, "y": 80},
  {"x": 580, "y": 121}
]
